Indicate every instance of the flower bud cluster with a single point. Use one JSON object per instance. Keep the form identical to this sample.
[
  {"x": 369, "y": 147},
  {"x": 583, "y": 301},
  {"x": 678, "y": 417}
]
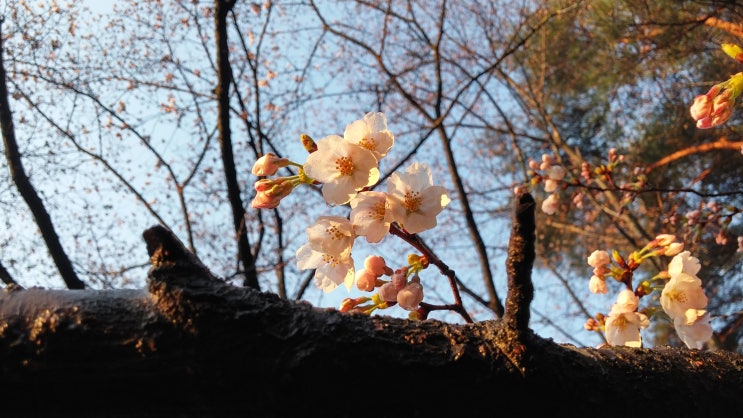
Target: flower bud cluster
[
  {"x": 716, "y": 106},
  {"x": 551, "y": 176},
  {"x": 403, "y": 288},
  {"x": 708, "y": 217}
]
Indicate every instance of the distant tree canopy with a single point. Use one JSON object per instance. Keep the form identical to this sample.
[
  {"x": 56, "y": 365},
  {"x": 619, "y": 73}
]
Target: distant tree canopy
[{"x": 155, "y": 112}]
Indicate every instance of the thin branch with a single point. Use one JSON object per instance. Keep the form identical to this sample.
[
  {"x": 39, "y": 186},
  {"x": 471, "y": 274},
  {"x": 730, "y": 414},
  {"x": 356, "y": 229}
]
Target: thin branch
[
  {"x": 721, "y": 143},
  {"x": 5, "y": 275},
  {"x": 731, "y": 28},
  {"x": 27, "y": 190}
]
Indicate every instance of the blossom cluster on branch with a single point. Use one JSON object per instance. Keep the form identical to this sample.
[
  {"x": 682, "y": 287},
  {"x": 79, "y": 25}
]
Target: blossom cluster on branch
[
  {"x": 347, "y": 168},
  {"x": 678, "y": 289}
]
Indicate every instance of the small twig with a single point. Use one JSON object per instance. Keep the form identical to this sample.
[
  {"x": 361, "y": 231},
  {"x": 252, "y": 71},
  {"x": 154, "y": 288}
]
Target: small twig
[{"x": 415, "y": 241}]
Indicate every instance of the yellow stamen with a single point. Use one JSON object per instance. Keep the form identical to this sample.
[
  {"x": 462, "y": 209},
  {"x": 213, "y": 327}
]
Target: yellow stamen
[
  {"x": 413, "y": 201},
  {"x": 377, "y": 211},
  {"x": 344, "y": 165},
  {"x": 368, "y": 143},
  {"x": 329, "y": 259},
  {"x": 334, "y": 233}
]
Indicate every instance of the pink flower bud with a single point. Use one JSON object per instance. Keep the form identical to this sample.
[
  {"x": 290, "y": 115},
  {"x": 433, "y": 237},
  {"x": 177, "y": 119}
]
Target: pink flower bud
[
  {"x": 270, "y": 192},
  {"x": 674, "y": 248},
  {"x": 601, "y": 271},
  {"x": 268, "y": 165},
  {"x": 597, "y": 285},
  {"x": 551, "y": 204},
  {"x": 411, "y": 296},
  {"x": 264, "y": 201},
  {"x": 376, "y": 265},
  {"x": 347, "y": 304},
  {"x": 365, "y": 280},
  {"x": 388, "y": 293},
  {"x": 701, "y": 108},
  {"x": 664, "y": 240},
  {"x": 398, "y": 279}
]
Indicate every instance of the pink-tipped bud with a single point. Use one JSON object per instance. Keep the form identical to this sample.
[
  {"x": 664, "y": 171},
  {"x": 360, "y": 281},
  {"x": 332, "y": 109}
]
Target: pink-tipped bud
[
  {"x": 598, "y": 258},
  {"x": 674, "y": 248},
  {"x": 592, "y": 325},
  {"x": 701, "y": 108},
  {"x": 664, "y": 240},
  {"x": 347, "y": 304},
  {"x": 365, "y": 280},
  {"x": 597, "y": 285},
  {"x": 601, "y": 271},
  {"x": 270, "y": 192},
  {"x": 376, "y": 265},
  {"x": 268, "y": 165}
]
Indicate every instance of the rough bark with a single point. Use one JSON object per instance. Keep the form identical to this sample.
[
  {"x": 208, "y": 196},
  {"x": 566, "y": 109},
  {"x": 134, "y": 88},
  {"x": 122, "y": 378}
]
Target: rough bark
[{"x": 193, "y": 345}]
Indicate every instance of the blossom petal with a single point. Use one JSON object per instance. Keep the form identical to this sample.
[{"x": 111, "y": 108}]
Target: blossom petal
[
  {"x": 696, "y": 334},
  {"x": 684, "y": 263},
  {"x": 682, "y": 292},
  {"x": 370, "y": 215}
]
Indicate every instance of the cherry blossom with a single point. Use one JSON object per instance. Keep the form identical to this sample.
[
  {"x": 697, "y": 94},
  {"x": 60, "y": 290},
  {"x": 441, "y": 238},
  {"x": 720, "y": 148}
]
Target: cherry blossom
[
  {"x": 598, "y": 258},
  {"x": 331, "y": 270},
  {"x": 370, "y": 215},
  {"x": 597, "y": 284},
  {"x": 684, "y": 290},
  {"x": 331, "y": 234},
  {"x": 551, "y": 204},
  {"x": 328, "y": 250},
  {"x": 414, "y": 200},
  {"x": 694, "y": 329},
  {"x": 624, "y": 322},
  {"x": 554, "y": 174},
  {"x": 344, "y": 168},
  {"x": 371, "y": 133}
]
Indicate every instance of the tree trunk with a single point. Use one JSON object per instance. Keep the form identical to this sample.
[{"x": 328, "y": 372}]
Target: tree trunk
[
  {"x": 193, "y": 345},
  {"x": 224, "y": 77}
]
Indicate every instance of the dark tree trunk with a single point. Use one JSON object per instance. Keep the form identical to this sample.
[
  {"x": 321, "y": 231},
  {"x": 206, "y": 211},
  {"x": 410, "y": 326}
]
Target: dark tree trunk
[
  {"x": 26, "y": 189},
  {"x": 224, "y": 77},
  {"x": 192, "y": 346},
  {"x": 5, "y": 275}
]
